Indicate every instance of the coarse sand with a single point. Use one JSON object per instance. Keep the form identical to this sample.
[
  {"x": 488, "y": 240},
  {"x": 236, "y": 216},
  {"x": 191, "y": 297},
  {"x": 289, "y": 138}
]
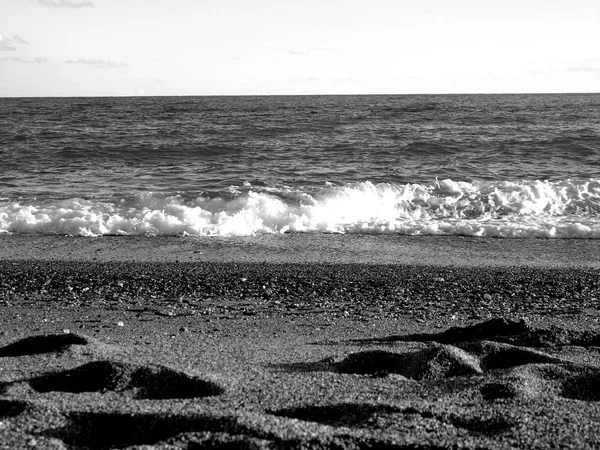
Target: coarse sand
[{"x": 298, "y": 342}]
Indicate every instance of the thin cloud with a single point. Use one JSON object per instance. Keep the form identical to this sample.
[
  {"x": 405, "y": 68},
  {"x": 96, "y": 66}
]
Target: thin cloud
[
  {"x": 343, "y": 80},
  {"x": 588, "y": 65},
  {"x": 66, "y": 3},
  {"x": 19, "y": 40},
  {"x": 16, "y": 59},
  {"x": 6, "y": 44},
  {"x": 97, "y": 63},
  {"x": 301, "y": 51},
  {"x": 9, "y": 44},
  {"x": 327, "y": 50},
  {"x": 298, "y": 51},
  {"x": 305, "y": 80}
]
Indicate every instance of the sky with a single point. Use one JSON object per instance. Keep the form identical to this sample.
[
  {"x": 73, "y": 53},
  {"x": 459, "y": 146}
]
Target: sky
[{"x": 290, "y": 47}]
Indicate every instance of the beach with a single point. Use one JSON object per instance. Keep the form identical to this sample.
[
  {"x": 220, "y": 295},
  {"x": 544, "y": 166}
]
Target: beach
[
  {"x": 299, "y": 341},
  {"x": 348, "y": 271}
]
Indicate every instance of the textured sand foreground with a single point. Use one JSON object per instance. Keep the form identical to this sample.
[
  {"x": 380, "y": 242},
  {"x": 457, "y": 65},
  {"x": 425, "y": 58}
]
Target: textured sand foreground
[{"x": 146, "y": 352}]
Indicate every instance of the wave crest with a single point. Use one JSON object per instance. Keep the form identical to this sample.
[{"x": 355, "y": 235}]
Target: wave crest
[{"x": 534, "y": 208}]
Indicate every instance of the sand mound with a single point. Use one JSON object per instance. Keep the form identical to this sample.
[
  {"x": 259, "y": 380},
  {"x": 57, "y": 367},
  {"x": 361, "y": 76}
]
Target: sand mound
[
  {"x": 495, "y": 355},
  {"x": 516, "y": 332},
  {"x": 479, "y": 386},
  {"x": 436, "y": 362},
  {"x": 469, "y": 355},
  {"x": 488, "y": 330},
  {"x": 137, "y": 381},
  {"x": 524, "y": 385},
  {"x": 554, "y": 336},
  {"x": 571, "y": 381}
]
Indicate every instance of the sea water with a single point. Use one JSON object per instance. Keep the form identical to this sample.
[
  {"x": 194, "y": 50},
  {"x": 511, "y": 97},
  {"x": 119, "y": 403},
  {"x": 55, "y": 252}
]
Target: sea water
[{"x": 475, "y": 165}]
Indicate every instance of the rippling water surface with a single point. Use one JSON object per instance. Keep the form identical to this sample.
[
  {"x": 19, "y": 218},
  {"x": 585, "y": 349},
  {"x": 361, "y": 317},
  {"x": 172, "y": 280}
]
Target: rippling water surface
[{"x": 498, "y": 165}]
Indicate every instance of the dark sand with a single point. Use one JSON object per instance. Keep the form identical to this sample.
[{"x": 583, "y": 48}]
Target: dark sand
[{"x": 299, "y": 342}]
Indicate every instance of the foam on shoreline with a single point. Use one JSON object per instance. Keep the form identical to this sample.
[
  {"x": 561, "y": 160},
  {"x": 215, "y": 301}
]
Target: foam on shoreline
[{"x": 523, "y": 209}]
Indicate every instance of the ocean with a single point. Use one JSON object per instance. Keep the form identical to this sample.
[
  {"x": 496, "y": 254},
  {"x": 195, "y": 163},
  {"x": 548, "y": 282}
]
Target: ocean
[{"x": 508, "y": 166}]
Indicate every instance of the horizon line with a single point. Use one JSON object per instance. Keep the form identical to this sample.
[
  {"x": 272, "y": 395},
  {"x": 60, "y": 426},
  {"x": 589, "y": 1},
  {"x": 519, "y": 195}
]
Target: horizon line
[{"x": 300, "y": 95}]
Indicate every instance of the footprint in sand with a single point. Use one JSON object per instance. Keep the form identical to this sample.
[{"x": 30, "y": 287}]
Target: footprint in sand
[
  {"x": 133, "y": 380},
  {"x": 338, "y": 414},
  {"x": 443, "y": 361},
  {"x": 48, "y": 343},
  {"x": 137, "y": 381},
  {"x": 582, "y": 384},
  {"x": 118, "y": 430},
  {"x": 107, "y": 430},
  {"x": 497, "y": 352},
  {"x": 11, "y": 408},
  {"x": 382, "y": 416}
]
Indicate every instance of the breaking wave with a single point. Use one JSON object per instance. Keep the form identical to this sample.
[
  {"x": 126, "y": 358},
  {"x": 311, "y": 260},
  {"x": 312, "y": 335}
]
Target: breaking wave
[{"x": 534, "y": 208}]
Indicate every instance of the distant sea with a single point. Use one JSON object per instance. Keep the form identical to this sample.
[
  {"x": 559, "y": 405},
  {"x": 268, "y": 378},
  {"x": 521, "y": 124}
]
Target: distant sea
[{"x": 507, "y": 166}]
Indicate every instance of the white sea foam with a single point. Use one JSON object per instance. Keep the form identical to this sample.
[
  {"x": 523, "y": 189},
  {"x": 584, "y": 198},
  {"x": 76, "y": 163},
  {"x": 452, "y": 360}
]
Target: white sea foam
[{"x": 563, "y": 209}]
